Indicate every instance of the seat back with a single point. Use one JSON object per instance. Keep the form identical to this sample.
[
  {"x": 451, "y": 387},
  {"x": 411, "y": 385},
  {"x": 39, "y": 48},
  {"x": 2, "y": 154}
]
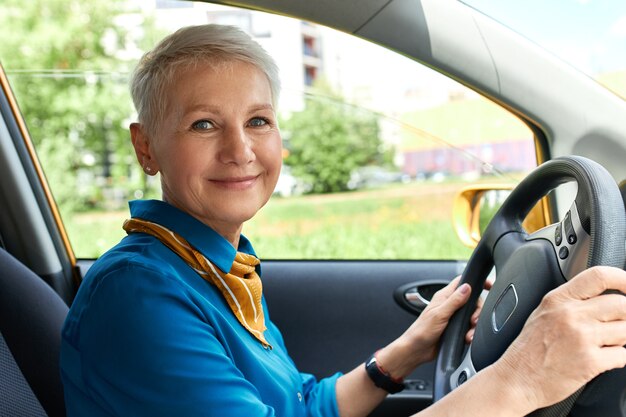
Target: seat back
[{"x": 31, "y": 317}]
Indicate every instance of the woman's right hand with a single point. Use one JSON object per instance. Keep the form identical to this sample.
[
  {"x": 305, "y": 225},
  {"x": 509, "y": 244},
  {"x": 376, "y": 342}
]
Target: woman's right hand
[{"x": 575, "y": 334}]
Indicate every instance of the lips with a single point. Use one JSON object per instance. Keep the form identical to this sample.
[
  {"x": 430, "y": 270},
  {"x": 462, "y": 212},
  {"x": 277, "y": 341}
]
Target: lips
[{"x": 236, "y": 183}]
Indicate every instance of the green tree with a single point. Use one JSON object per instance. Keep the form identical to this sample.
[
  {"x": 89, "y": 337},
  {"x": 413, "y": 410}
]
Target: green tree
[
  {"x": 329, "y": 139},
  {"x": 63, "y": 60}
]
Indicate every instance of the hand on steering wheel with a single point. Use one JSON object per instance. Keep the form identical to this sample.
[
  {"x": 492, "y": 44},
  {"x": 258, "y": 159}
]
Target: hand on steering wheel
[
  {"x": 578, "y": 320},
  {"x": 528, "y": 267}
]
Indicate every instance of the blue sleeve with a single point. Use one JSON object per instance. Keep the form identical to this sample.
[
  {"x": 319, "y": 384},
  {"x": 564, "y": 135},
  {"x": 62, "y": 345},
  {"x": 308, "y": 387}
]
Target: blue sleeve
[
  {"x": 149, "y": 351},
  {"x": 320, "y": 397}
]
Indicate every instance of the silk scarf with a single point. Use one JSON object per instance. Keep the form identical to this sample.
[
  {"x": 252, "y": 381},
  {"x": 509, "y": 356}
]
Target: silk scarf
[{"x": 241, "y": 286}]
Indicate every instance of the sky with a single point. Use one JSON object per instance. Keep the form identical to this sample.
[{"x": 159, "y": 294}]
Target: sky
[{"x": 589, "y": 34}]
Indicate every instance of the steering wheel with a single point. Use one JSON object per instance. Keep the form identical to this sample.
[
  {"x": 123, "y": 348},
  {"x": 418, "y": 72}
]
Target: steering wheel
[{"x": 528, "y": 266}]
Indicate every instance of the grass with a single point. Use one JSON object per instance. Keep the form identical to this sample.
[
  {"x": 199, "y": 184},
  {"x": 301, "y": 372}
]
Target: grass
[
  {"x": 404, "y": 222},
  {"x": 93, "y": 233},
  {"x": 411, "y": 221}
]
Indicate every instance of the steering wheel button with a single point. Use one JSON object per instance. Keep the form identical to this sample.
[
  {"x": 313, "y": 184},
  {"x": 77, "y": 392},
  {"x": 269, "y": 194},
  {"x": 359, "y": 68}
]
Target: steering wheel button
[
  {"x": 462, "y": 378},
  {"x": 567, "y": 224},
  {"x": 563, "y": 252},
  {"x": 571, "y": 238},
  {"x": 558, "y": 235}
]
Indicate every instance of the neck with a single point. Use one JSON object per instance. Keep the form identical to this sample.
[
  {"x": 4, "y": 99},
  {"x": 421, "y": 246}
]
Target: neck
[
  {"x": 229, "y": 231},
  {"x": 232, "y": 237}
]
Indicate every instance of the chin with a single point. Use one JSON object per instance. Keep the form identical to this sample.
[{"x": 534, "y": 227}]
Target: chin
[{"x": 238, "y": 216}]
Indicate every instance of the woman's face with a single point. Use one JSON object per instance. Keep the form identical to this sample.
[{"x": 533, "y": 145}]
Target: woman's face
[{"x": 219, "y": 149}]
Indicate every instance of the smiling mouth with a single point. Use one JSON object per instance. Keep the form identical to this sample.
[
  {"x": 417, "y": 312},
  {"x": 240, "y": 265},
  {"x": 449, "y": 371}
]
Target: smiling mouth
[{"x": 239, "y": 183}]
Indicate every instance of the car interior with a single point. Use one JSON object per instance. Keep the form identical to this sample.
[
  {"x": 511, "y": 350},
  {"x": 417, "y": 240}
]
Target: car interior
[
  {"x": 344, "y": 309},
  {"x": 29, "y": 342}
]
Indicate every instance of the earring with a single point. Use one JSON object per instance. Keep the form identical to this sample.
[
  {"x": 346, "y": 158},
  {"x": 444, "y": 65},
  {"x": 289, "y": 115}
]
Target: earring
[{"x": 148, "y": 169}]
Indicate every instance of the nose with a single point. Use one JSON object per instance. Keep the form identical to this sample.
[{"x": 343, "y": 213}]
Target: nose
[{"x": 236, "y": 147}]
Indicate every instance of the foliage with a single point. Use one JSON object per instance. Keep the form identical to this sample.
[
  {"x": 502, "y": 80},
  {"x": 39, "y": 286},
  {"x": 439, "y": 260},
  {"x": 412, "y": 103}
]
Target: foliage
[
  {"x": 329, "y": 139},
  {"x": 63, "y": 60}
]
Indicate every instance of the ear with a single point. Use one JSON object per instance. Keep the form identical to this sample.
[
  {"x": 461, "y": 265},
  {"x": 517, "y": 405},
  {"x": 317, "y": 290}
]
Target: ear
[{"x": 143, "y": 149}]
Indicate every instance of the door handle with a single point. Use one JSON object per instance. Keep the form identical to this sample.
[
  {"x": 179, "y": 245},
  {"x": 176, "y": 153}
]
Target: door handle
[{"x": 415, "y": 297}]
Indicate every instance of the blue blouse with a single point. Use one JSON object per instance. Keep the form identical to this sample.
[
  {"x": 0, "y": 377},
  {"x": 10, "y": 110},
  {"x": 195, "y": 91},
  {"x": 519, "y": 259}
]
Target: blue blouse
[{"x": 147, "y": 336}]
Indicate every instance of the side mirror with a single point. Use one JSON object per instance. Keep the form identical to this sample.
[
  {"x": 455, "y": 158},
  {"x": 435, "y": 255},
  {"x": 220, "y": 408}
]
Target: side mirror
[{"x": 475, "y": 206}]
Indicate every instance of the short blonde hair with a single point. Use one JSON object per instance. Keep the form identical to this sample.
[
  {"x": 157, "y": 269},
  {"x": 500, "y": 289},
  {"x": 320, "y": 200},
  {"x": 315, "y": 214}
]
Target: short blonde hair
[{"x": 186, "y": 47}]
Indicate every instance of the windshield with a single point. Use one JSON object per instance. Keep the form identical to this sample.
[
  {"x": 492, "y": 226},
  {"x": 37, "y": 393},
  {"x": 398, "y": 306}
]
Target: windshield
[{"x": 588, "y": 34}]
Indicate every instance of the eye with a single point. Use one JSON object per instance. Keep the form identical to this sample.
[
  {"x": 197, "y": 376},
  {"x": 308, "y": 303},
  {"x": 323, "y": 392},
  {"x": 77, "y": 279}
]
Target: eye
[
  {"x": 259, "y": 122},
  {"x": 202, "y": 125}
]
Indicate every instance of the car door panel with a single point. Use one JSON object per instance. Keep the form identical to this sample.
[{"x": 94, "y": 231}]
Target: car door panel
[{"x": 334, "y": 314}]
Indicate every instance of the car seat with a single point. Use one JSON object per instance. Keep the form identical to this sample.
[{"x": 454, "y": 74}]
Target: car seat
[{"x": 31, "y": 317}]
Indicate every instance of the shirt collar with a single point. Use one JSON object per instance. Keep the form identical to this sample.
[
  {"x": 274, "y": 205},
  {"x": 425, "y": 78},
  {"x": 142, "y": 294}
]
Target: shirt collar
[{"x": 204, "y": 239}]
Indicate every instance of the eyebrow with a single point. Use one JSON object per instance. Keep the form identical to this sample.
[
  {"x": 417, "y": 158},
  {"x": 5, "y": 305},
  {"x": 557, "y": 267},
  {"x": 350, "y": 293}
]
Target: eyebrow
[{"x": 217, "y": 109}]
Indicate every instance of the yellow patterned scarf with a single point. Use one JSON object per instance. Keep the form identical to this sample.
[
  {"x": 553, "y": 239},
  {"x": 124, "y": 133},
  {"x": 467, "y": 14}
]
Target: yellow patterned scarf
[{"x": 241, "y": 287}]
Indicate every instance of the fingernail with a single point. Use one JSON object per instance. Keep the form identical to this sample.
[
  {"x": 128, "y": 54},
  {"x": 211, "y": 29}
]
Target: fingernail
[{"x": 464, "y": 289}]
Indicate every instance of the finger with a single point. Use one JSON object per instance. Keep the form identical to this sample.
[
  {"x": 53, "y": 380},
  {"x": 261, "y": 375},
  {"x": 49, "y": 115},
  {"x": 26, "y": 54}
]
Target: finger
[
  {"x": 479, "y": 308},
  {"x": 475, "y": 317},
  {"x": 488, "y": 284},
  {"x": 612, "y": 358},
  {"x": 469, "y": 336},
  {"x": 605, "y": 307},
  {"x": 612, "y": 333},
  {"x": 451, "y": 304},
  {"x": 592, "y": 282},
  {"x": 446, "y": 291}
]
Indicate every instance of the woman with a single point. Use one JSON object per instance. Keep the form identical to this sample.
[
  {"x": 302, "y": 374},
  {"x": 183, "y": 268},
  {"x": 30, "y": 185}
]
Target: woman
[{"x": 171, "y": 321}]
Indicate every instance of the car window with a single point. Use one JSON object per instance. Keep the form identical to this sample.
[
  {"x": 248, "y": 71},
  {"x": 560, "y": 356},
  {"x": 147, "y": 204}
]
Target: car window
[
  {"x": 588, "y": 35},
  {"x": 375, "y": 146}
]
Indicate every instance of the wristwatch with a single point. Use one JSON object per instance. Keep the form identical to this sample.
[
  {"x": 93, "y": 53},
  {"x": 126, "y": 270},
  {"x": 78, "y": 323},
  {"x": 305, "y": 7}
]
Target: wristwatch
[{"x": 381, "y": 378}]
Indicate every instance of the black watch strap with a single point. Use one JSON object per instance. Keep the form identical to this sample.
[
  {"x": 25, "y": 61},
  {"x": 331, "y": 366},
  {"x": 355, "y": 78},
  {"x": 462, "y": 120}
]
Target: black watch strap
[{"x": 381, "y": 378}]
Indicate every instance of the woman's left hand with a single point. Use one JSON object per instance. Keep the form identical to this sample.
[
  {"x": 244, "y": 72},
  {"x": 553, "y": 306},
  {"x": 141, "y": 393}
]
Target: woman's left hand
[
  {"x": 431, "y": 324},
  {"x": 420, "y": 343}
]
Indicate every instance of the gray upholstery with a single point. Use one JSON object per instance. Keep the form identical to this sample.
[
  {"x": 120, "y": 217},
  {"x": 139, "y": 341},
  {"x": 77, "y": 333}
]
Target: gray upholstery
[
  {"x": 17, "y": 397},
  {"x": 31, "y": 317}
]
